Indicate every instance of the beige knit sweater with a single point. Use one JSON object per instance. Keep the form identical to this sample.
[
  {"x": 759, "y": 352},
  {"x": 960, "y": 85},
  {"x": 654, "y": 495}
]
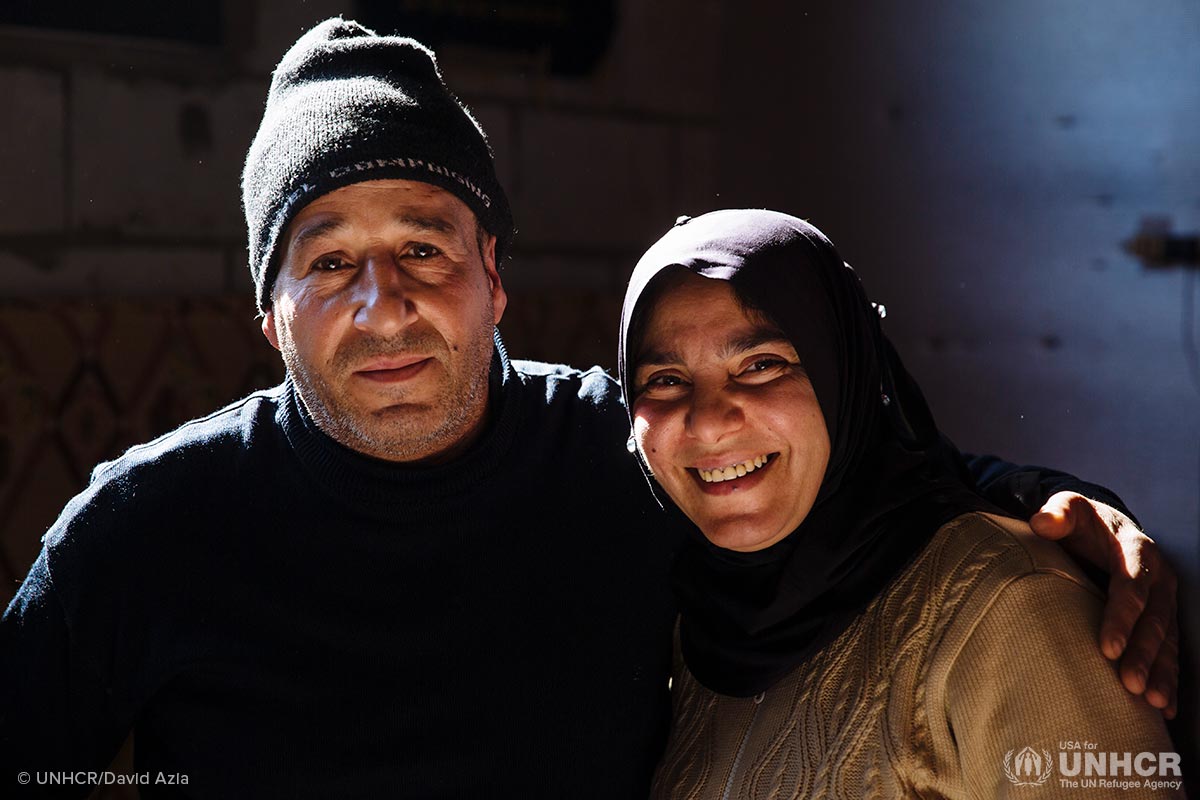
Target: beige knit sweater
[{"x": 985, "y": 646}]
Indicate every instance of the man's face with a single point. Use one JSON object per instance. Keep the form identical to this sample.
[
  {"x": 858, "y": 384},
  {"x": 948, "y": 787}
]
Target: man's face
[{"x": 383, "y": 310}]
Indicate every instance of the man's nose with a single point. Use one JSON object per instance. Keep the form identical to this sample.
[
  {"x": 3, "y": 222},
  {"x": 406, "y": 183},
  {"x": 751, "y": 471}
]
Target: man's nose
[
  {"x": 384, "y": 301},
  {"x": 713, "y": 414}
]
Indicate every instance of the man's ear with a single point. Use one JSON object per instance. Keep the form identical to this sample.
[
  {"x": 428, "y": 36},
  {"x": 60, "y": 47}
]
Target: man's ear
[
  {"x": 268, "y": 328},
  {"x": 499, "y": 296}
]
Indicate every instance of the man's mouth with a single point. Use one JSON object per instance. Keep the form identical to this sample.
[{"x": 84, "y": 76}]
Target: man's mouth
[
  {"x": 392, "y": 370},
  {"x": 735, "y": 471}
]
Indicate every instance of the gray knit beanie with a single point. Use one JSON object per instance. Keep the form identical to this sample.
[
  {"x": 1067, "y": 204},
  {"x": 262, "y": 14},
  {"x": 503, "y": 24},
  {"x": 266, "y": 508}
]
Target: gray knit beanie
[{"x": 346, "y": 106}]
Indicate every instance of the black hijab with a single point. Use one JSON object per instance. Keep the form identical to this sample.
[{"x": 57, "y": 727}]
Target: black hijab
[{"x": 891, "y": 482}]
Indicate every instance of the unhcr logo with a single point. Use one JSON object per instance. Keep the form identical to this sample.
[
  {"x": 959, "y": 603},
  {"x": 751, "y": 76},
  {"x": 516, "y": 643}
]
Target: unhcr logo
[
  {"x": 1084, "y": 765},
  {"x": 1028, "y": 767}
]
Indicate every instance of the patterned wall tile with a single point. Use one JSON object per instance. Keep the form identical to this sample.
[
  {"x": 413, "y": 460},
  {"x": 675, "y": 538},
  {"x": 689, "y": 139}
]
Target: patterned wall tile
[{"x": 81, "y": 381}]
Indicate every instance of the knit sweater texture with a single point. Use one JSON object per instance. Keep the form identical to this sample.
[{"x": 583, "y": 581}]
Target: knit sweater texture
[
  {"x": 983, "y": 646},
  {"x": 274, "y": 615}
]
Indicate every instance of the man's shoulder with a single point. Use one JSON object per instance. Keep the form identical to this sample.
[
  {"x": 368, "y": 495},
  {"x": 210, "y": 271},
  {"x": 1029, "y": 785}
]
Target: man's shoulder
[
  {"x": 169, "y": 473},
  {"x": 562, "y": 382},
  {"x": 226, "y": 433},
  {"x": 188, "y": 477}
]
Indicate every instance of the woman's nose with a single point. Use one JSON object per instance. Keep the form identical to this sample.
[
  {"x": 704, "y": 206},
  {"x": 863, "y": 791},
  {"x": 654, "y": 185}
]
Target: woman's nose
[
  {"x": 384, "y": 303},
  {"x": 713, "y": 414}
]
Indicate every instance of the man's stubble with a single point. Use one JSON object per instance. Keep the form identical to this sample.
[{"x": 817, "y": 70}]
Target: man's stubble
[{"x": 397, "y": 433}]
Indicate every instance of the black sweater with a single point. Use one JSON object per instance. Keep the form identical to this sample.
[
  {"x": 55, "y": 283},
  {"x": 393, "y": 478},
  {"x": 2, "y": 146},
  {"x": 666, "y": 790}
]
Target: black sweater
[
  {"x": 274, "y": 615},
  {"x": 277, "y": 616}
]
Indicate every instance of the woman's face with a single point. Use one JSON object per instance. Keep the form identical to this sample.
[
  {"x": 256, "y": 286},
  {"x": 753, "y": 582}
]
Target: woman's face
[{"x": 726, "y": 417}]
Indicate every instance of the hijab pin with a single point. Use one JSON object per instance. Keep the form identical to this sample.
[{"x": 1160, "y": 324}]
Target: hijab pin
[
  {"x": 887, "y": 401},
  {"x": 880, "y": 309},
  {"x": 630, "y": 444}
]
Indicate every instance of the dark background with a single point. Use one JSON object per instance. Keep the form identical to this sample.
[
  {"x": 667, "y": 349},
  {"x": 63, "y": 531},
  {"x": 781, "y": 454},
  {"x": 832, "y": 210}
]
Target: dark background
[{"x": 979, "y": 163}]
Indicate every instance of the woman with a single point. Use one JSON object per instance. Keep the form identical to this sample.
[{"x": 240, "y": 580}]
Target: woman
[{"x": 855, "y": 620}]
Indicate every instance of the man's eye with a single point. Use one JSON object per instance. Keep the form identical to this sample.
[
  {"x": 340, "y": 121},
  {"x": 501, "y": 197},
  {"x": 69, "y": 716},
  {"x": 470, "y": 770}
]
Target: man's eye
[
  {"x": 424, "y": 250},
  {"x": 329, "y": 264}
]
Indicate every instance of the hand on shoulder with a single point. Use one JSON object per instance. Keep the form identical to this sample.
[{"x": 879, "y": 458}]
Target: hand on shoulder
[{"x": 1140, "y": 626}]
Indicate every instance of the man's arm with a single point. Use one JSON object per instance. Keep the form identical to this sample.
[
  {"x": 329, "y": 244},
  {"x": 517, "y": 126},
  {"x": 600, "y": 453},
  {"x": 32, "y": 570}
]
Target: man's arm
[
  {"x": 1092, "y": 524},
  {"x": 1023, "y": 490},
  {"x": 55, "y": 713}
]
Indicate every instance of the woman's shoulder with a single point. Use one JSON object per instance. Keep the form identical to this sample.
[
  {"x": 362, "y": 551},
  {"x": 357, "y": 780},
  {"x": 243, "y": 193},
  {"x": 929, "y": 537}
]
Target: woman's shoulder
[
  {"x": 969, "y": 565},
  {"x": 980, "y": 554},
  {"x": 1016, "y": 661},
  {"x": 981, "y": 567}
]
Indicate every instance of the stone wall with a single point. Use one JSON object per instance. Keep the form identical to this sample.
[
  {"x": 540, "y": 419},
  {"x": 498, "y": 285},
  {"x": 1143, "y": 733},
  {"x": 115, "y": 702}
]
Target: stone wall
[{"x": 122, "y": 158}]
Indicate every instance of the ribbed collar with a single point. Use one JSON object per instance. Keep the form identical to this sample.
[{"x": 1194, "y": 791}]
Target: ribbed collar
[{"x": 382, "y": 488}]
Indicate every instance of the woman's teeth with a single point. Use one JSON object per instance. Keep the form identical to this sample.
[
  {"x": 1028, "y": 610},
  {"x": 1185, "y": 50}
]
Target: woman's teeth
[{"x": 733, "y": 471}]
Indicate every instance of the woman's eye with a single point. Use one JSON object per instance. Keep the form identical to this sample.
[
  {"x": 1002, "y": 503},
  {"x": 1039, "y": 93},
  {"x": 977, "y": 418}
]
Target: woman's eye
[
  {"x": 661, "y": 384},
  {"x": 764, "y": 369},
  {"x": 764, "y": 364}
]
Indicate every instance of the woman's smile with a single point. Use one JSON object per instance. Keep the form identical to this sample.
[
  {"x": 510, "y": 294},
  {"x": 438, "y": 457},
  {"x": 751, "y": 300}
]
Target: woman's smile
[
  {"x": 733, "y": 471},
  {"x": 742, "y": 476},
  {"x": 725, "y": 416}
]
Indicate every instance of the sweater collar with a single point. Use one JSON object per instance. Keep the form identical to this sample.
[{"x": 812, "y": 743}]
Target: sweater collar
[{"x": 379, "y": 487}]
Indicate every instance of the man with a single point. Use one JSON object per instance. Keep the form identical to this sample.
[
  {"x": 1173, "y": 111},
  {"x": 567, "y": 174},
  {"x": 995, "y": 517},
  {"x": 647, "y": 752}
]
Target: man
[{"x": 415, "y": 569}]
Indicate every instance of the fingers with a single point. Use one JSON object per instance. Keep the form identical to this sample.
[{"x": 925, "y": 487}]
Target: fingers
[
  {"x": 1149, "y": 661},
  {"x": 1163, "y": 688},
  {"x": 1127, "y": 599},
  {"x": 1054, "y": 520},
  {"x": 1139, "y": 625},
  {"x": 1087, "y": 529}
]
